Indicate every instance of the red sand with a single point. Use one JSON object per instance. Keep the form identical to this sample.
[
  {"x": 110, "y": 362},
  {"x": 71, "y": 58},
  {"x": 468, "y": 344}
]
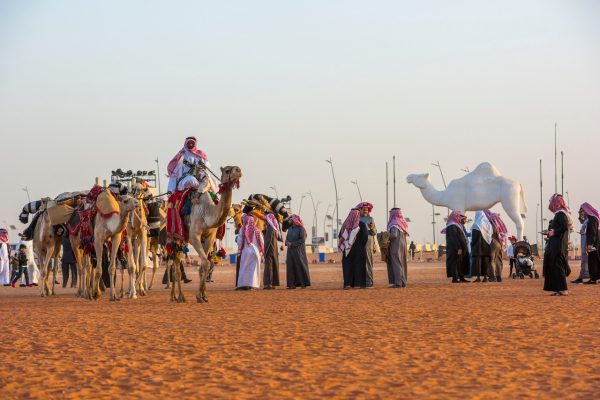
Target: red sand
[{"x": 431, "y": 340}]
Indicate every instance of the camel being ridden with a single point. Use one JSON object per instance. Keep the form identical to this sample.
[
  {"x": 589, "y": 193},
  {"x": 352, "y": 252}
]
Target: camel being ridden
[
  {"x": 204, "y": 220},
  {"x": 479, "y": 190},
  {"x": 112, "y": 228}
]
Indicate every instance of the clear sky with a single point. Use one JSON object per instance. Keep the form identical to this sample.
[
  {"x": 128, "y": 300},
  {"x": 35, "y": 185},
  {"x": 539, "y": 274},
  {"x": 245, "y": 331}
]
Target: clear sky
[{"x": 276, "y": 87}]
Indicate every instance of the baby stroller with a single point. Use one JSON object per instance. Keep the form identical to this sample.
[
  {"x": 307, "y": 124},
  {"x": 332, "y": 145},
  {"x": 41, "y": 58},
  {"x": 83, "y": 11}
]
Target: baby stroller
[{"x": 525, "y": 266}]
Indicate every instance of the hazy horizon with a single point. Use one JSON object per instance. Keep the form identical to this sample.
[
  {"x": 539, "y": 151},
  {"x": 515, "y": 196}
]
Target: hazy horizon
[{"x": 276, "y": 88}]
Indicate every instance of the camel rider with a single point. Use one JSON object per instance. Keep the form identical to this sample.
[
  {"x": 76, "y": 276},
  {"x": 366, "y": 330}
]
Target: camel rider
[{"x": 181, "y": 168}]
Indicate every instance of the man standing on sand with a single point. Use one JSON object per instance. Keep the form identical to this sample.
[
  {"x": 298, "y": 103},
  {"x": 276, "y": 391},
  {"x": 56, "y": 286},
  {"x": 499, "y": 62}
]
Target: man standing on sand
[
  {"x": 412, "y": 248},
  {"x": 372, "y": 246},
  {"x": 457, "y": 247},
  {"x": 32, "y": 268}
]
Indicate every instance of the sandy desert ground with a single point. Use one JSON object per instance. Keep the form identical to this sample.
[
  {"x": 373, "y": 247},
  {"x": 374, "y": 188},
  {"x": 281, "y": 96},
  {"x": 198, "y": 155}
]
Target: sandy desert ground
[{"x": 431, "y": 340}]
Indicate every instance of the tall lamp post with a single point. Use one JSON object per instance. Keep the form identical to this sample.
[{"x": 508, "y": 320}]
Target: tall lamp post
[
  {"x": 433, "y": 215},
  {"x": 274, "y": 188},
  {"x": 158, "y": 174},
  {"x": 26, "y": 190},
  {"x": 300, "y": 208},
  {"x": 327, "y": 216},
  {"x": 337, "y": 208},
  {"x": 358, "y": 188},
  {"x": 314, "y": 224},
  {"x": 443, "y": 180}
]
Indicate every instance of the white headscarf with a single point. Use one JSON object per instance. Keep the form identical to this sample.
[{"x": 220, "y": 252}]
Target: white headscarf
[{"x": 483, "y": 225}]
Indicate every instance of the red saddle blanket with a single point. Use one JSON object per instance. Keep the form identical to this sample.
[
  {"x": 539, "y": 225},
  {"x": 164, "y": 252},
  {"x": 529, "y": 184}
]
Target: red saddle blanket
[
  {"x": 176, "y": 228},
  {"x": 175, "y": 224}
]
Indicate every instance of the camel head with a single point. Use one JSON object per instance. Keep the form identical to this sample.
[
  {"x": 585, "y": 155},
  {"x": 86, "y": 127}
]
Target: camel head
[
  {"x": 231, "y": 174},
  {"x": 128, "y": 203},
  {"x": 419, "y": 180},
  {"x": 236, "y": 213}
]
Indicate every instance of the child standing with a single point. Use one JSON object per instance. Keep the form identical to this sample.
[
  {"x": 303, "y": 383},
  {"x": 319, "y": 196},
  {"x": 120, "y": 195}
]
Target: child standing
[{"x": 23, "y": 263}]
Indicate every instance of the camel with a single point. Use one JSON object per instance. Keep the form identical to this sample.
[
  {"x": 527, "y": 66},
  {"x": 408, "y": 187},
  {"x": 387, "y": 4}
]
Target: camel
[
  {"x": 111, "y": 228},
  {"x": 154, "y": 243},
  {"x": 46, "y": 246},
  {"x": 479, "y": 190},
  {"x": 205, "y": 218},
  {"x": 137, "y": 231}
]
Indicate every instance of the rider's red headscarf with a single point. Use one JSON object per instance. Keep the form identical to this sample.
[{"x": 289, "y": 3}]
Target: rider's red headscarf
[{"x": 194, "y": 150}]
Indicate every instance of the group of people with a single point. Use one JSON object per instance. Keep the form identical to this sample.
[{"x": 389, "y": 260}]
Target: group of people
[
  {"x": 258, "y": 243},
  {"x": 22, "y": 265},
  {"x": 483, "y": 258},
  {"x": 358, "y": 243}
]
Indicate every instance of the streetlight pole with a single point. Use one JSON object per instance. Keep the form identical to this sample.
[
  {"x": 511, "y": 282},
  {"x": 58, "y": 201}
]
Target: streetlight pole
[
  {"x": 337, "y": 209},
  {"x": 433, "y": 221},
  {"x": 275, "y": 190},
  {"x": 562, "y": 173},
  {"x": 394, "y": 177},
  {"x": 568, "y": 200},
  {"x": 387, "y": 189},
  {"x": 325, "y": 219},
  {"x": 158, "y": 174},
  {"x": 357, "y": 187},
  {"x": 555, "y": 173},
  {"x": 443, "y": 180},
  {"x": 537, "y": 207},
  {"x": 26, "y": 190},
  {"x": 541, "y": 210},
  {"x": 300, "y": 208}
]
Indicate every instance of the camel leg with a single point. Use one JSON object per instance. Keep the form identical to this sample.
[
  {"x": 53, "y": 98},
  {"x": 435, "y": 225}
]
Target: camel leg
[
  {"x": 143, "y": 261},
  {"x": 45, "y": 271},
  {"x": 54, "y": 270},
  {"x": 201, "y": 296},
  {"x": 176, "y": 285},
  {"x": 122, "y": 292},
  {"x": 511, "y": 204},
  {"x": 131, "y": 268},
  {"x": 96, "y": 276},
  {"x": 154, "y": 268},
  {"x": 141, "y": 258}
]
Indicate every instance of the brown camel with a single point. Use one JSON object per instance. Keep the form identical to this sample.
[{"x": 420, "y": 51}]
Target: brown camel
[
  {"x": 137, "y": 232},
  {"x": 111, "y": 228},
  {"x": 46, "y": 246},
  {"x": 154, "y": 243},
  {"x": 205, "y": 218}
]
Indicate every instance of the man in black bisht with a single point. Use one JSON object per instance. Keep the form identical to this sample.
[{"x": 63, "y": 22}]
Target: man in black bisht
[
  {"x": 556, "y": 266},
  {"x": 296, "y": 260},
  {"x": 592, "y": 241},
  {"x": 457, "y": 248},
  {"x": 272, "y": 239},
  {"x": 352, "y": 242}
]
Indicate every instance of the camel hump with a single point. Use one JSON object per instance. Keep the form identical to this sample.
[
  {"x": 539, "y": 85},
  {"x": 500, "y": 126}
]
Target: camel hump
[{"x": 486, "y": 169}]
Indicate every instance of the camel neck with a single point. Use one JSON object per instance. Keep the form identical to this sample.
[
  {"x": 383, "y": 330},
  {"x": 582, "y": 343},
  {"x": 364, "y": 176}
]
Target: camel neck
[
  {"x": 431, "y": 194},
  {"x": 220, "y": 211}
]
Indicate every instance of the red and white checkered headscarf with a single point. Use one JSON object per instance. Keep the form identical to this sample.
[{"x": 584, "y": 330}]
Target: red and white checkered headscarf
[
  {"x": 194, "y": 150},
  {"x": 348, "y": 226},
  {"x": 296, "y": 220},
  {"x": 455, "y": 218},
  {"x": 3, "y": 236},
  {"x": 272, "y": 221},
  {"x": 364, "y": 204},
  {"x": 251, "y": 233},
  {"x": 397, "y": 221},
  {"x": 590, "y": 210},
  {"x": 557, "y": 204}
]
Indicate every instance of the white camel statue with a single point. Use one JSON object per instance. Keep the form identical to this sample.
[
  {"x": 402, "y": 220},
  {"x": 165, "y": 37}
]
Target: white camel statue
[{"x": 480, "y": 189}]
